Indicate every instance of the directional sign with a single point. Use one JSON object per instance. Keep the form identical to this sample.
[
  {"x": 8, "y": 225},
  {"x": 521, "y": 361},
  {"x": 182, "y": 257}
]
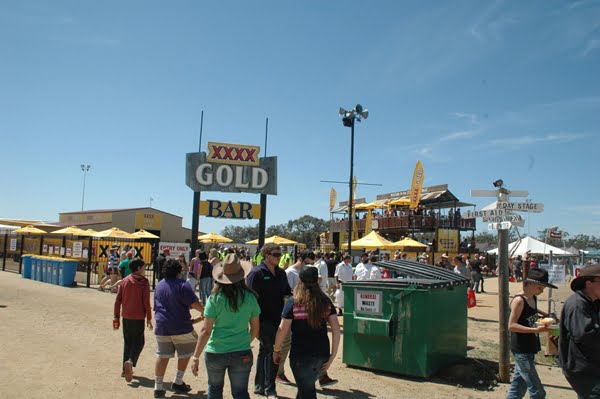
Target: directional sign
[
  {"x": 505, "y": 218},
  {"x": 499, "y": 226},
  {"x": 485, "y": 213},
  {"x": 522, "y": 206},
  {"x": 494, "y": 193}
]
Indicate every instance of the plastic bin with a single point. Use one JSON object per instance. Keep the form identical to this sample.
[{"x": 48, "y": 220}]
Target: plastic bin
[
  {"x": 67, "y": 272},
  {"x": 27, "y": 262},
  {"x": 413, "y": 325},
  {"x": 54, "y": 273}
]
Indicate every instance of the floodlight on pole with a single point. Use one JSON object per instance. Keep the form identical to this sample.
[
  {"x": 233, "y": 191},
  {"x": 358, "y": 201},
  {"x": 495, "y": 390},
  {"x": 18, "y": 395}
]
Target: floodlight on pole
[
  {"x": 349, "y": 117},
  {"x": 84, "y": 169}
]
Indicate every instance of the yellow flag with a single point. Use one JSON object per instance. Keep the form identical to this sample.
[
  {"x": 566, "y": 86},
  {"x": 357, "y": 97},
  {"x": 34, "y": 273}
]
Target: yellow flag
[
  {"x": 332, "y": 198},
  {"x": 417, "y": 185},
  {"x": 368, "y": 222},
  {"x": 354, "y": 184}
]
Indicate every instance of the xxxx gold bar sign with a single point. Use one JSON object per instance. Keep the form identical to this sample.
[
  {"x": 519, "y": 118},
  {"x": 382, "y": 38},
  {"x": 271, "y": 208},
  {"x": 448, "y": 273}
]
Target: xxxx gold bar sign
[
  {"x": 229, "y": 210},
  {"x": 417, "y": 185},
  {"x": 233, "y": 154}
]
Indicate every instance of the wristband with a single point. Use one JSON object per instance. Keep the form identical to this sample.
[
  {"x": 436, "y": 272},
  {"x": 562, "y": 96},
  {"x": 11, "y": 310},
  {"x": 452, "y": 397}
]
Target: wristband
[
  {"x": 196, "y": 359},
  {"x": 275, "y": 350}
]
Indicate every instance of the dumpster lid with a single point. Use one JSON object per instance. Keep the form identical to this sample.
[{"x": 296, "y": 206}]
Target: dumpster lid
[
  {"x": 415, "y": 270},
  {"x": 402, "y": 282}
]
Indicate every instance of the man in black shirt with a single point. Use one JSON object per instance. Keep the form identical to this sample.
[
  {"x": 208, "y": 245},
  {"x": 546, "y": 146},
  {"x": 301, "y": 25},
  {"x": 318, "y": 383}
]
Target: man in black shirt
[{"x": 270, "y": 282}]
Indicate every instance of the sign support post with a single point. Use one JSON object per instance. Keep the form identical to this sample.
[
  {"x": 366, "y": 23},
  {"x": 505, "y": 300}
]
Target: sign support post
[
  {"x": 262, "y": 222},
  {"x": 196, "y": 203},
  {"x": 504, "y": 308}
]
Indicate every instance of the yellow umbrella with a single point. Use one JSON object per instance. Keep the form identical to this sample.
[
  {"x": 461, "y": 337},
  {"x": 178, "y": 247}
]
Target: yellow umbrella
[
  {"x": 29, "y": 230},
  {"x": 408, "y": 242},
  {"x": 400, "y": 201},
  {"x": 141, "y": 233},
  {"x": 213, "y": 237},
  {"x": 88, "y": 233},
  {"x": 71, "y": 230},
  {"x": 274, "y": 240},
  {"x": 114, "y": 233},
  {"x": 372, "y": 241}
]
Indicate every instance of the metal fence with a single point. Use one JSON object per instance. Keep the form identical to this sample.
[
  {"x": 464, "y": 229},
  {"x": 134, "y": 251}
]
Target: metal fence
[{"x": 92, "y": 253}]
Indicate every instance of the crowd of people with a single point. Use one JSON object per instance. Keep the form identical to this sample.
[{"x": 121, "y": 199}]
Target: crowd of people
[{"x": 289, "y": 305}]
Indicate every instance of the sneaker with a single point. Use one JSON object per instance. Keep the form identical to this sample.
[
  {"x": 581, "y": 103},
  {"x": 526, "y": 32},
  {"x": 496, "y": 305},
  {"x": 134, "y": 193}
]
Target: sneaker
[
  {"x": 183, "y": 387},
  {"x": 326, "y": 381},
  {"x": 340, "y": 312},
  {"x": 258, "y": 391},
  {"x": 282, "y": 379},
  {"x": 159, "y": 393},
  {"x": 128, "y": 371}
]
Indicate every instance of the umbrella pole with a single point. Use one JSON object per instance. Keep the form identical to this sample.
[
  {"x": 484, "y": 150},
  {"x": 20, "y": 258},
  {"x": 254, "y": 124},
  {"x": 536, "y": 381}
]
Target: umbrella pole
[
  {"x": 89, "y": 263},
  {"x": 21, "y": 254}
]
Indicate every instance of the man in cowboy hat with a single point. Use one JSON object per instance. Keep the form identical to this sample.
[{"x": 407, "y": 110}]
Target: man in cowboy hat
[
  {"x": 579, "y": 338},
  {"x": 524, "y": 339}
]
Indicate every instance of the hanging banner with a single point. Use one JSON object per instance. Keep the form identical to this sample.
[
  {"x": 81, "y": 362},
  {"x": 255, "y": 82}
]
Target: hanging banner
[
  {"x": 368, "y": 222},
  {"x": 332, "y": 198},
  {"x": 447, "y": 240},
  {"x": 417, "y": 185}
]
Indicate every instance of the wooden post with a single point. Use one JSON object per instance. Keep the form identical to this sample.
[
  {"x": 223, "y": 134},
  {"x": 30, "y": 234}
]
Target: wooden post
[{"x": 504, "y": 308}]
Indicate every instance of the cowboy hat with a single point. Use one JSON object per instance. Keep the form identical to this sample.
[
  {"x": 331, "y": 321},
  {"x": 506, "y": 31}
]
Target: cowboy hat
[
  {"x": 587, "y": 273},
  {"x": 231, "y": 270},
  {"x": 539, "y": 276}
]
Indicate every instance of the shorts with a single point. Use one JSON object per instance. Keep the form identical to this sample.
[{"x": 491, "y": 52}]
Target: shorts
[
  {"x": 184, "y": 344},
  {"x": 113, "y": 270}
]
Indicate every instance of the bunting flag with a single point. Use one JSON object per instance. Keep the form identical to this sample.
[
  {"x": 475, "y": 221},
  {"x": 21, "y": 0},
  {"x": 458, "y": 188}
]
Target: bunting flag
[
  {"x": 417, "y": 185},
  {"x": 332, "y": 198}
]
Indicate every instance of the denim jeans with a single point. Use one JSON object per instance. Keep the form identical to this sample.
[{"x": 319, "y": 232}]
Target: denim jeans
[
  {"x": 306, "y": 370},
  {"x": 525, "y": 378},
  {"x": 266, "y": 370},
  {"x": 134, "y": 340},
  {"x": 206, "y": 285},
  {"x": 238, "y": 366},
  {"x": 586, "y": 387}
]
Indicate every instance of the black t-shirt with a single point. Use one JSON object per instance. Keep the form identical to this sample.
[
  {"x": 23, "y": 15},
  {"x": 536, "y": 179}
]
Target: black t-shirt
[
  {"x": 207, "y": 269},
  {"x": 476, "y": 266},
  {"x": 305, "y": 339},
  {"x": 271, "y": 290},
  {"x": 526, "y": 343},
  {"x": 331, "y": 265}
]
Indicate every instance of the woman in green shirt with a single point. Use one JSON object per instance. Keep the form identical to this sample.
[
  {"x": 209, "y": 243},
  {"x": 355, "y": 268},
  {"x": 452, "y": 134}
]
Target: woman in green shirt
[{"x": 231, "y": 307}]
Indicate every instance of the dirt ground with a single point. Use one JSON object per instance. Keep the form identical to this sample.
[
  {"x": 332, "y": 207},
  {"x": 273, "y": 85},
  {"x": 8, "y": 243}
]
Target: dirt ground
[{"x": 58, "y": 343}]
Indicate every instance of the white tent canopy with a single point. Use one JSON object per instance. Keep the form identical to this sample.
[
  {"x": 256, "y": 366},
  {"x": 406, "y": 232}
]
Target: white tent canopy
[{"x": 532, "y": 246}]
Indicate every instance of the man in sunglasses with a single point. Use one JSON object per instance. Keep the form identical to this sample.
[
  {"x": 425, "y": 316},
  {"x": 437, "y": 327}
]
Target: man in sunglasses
[{"x": 270, "y": 282}]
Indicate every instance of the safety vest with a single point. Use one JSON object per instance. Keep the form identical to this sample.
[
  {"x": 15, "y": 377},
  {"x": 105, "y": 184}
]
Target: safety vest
[
  {"x": 285, "y": 261},
  {"x": 258, "y": 258}
]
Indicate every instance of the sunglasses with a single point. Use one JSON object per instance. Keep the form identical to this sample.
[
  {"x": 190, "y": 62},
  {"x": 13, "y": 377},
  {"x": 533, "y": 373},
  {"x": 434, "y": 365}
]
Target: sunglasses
[{"x": 276, "y": 254}]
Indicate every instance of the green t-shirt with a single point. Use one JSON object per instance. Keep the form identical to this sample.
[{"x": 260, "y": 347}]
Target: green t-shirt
[
  {"x": 124, "y": 266},
  {"x": 231, "y": 331}
]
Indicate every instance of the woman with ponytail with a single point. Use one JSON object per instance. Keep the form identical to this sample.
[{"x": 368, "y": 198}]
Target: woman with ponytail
[{"x": 307, "y": 314}]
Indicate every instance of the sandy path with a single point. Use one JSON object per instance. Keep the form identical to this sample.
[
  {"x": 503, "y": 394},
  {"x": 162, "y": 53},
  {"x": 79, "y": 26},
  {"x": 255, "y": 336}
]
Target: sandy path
[{"x": 58, "y": 342}]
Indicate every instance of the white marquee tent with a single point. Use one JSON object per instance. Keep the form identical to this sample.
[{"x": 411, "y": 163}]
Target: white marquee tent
[{"x": 532, "y": 246}]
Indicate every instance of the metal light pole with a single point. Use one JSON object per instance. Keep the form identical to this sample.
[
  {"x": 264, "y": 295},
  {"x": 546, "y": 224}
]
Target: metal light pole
[
  {"x": 349, "y": 118},
  {"x": 84, "y": 169}
]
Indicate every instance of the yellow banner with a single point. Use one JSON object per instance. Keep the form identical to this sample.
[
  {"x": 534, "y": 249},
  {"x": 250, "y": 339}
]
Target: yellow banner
[
  {"x": 229, "y": 210},
  {"x": 368, "y": 222},
  {"x": 148, "y": 221},
  {"x": 332, "y": 198},
  {"x": 417, "y": 185},
  {"x": 447, "y": 240}
]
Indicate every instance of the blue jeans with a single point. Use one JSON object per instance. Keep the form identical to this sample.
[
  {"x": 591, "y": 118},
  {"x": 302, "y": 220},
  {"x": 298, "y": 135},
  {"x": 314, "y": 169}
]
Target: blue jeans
[
  {"x": 525, "y": 378},
  {"x": 266, "y": 370},
  {"x": 237, "y": 364},
  {"x": 306, "y": 370},
  {"x": 206, "y": 285}
]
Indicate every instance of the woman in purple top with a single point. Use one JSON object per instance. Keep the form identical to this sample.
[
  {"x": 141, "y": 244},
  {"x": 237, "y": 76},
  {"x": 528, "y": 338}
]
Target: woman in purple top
[{"x": 173, "y": 299}]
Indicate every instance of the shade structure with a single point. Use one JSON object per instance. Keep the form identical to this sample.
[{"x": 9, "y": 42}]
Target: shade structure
[
  {"x": 141, "y": 233},
  {"x": 372, "y": 241},
  {"x": 274, "y": 240},
  {"x": 408, "y": 242},
  {"x": 114, "y": 232},
  {"x": 29, "y": 230},
  {"x": 213, "y": 237},
  {"x": 399, "y": 201},
  {"x": 71, "y": 230},
  {"x": 533, "y": 246}
]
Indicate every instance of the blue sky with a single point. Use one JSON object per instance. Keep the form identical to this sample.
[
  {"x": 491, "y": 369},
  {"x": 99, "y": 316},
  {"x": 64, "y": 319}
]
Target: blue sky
[{"x": 476, "y": 90}]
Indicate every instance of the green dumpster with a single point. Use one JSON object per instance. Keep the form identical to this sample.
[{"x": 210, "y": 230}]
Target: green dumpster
[{"x": 408, "y": 325}]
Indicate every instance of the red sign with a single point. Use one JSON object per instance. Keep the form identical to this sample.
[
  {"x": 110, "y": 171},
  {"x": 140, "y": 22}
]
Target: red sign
[{"x": 233, "y": 154}]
